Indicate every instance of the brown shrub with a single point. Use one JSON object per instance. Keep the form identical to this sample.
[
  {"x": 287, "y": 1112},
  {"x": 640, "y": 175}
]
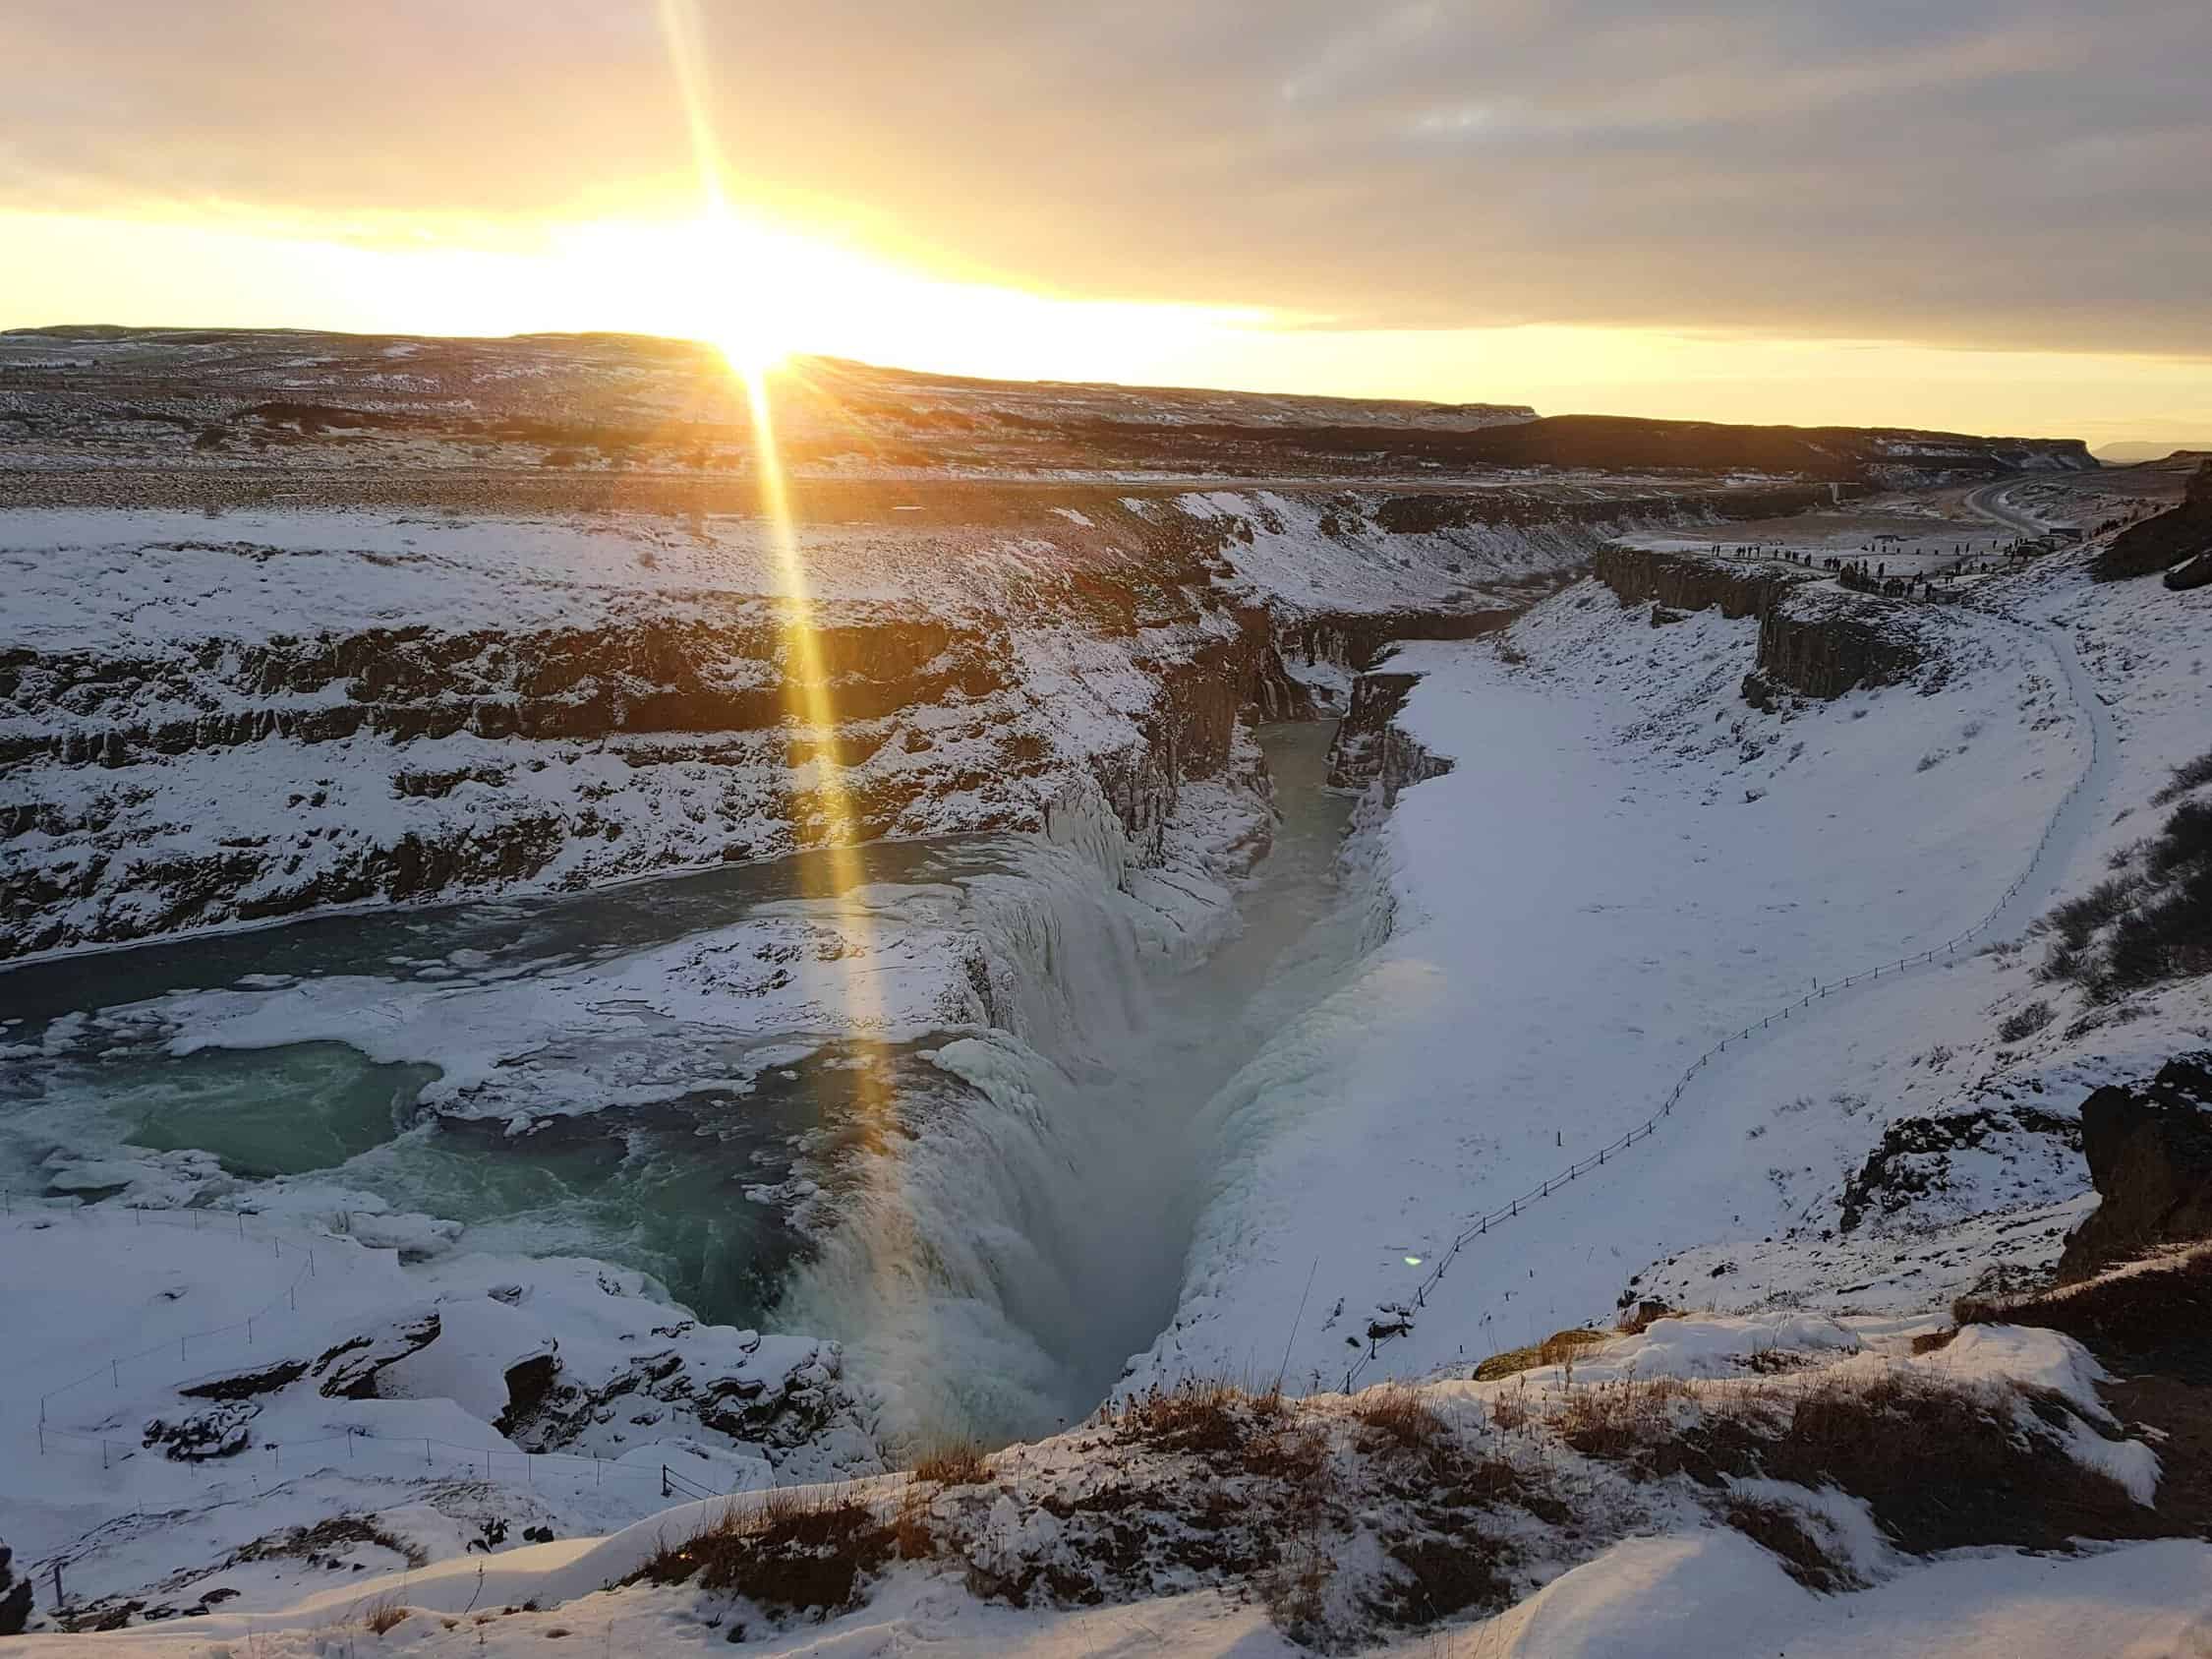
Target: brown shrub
[
  {"x": 1436, "y": 1577},
  {"x": 1944, "y": 1465},
  {"x": 386, "y": 1613}
]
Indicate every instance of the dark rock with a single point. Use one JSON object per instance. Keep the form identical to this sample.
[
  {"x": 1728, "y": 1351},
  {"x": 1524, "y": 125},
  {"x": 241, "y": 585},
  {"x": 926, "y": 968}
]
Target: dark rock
[
  {"x": 1913, "y": 1157},
  {"x": 1685, "y": 583},
  {"x": 15, "y": 1596},
  {"x": 528, "y": 1385},
  {"x": 1369, "y": 746},
  {"x": 349, "y": 1370},
  {"x": 1838, "y": 643},
  {"x": 222, "y": 1431},
  {"x": 2181, "y": 533},
  {"x": 244, "y": 1385},
  {"x": 2150, "y": 1156}
]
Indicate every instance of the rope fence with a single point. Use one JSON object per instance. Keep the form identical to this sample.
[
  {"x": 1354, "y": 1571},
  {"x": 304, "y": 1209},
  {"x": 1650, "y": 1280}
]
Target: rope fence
[
  {"x": 110, "y": 1370},
  {"x": 1481, "y": 1226},
  {"x": 408, "y": 1450}
]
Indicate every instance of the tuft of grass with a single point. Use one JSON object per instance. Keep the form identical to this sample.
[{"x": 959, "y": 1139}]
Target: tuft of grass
[
  {"x": 958, "y": 1463},
  {"x": 1400, "y": 1414},
  {"x": 2025, "y": 1023},
  {"x": 386, "y": 1613},
  {"x": 2158, "y": 1309},
  {"x": 1612, "y": 1419},
  {"x": 1198, "y": 1414},
  {"x": 1557, "y": 1349}
]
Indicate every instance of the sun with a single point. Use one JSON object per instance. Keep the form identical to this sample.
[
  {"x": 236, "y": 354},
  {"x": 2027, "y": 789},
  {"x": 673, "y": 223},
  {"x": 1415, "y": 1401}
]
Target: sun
[
  {"x": 750, "y": 351},
  {"x": 736, "y": 294}
]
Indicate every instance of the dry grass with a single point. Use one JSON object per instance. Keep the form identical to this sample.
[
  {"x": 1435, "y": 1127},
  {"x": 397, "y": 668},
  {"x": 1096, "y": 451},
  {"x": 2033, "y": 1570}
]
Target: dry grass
[
  {"x": 1610, "y": 1419},
  {"x": 1780, "y": 1530},
  {"x": 1203, "y": 1415},
  {"x": 1645, "y": 1315},
  {"x": 386, "y": 1613},
  {"x": 1558, "y": 1348},
  {"x": 792, "y": 1550},
  {"x": 1400, "y": 1414},
  {"x": 2158, "y": 1315},
  {"x": 960, "y": 1462}
]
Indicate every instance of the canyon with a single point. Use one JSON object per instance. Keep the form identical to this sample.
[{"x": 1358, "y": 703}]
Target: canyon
[{"x": 1106, "y": 890}]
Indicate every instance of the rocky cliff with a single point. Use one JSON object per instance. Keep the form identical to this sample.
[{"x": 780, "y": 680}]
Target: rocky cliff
[
  {"x": 1370, "y": 747},
  {"x": 2150, "y": 1156},
  {"x": 206, "y": 722},
  {"x": 2174, "y": 538},
  {"x": 1815, "y": 640}
]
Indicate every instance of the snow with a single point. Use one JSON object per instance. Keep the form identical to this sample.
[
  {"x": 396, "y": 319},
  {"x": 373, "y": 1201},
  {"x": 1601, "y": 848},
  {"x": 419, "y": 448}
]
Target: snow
[
  {"x": 1626, "y": 866},
  {"x": 1715, "y": 1592},
  {"x": 1538, "y": 977}
]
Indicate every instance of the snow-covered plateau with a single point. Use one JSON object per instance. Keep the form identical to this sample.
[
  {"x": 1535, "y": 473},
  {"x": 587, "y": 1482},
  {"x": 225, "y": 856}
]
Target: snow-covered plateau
[{"x": 973, "y": 1068}]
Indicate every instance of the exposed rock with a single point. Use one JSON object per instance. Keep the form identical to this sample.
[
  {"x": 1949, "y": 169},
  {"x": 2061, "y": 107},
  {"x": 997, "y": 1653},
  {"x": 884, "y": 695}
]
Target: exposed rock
[
  {"x": 2181, "y": 533},
  {"x": 349, "y": 1370},
  {"x": 1827, "y": 643},
  {"x": 1685, "y": 583},
  {"x": 1370, "y": 747},
  {"x": 1816, "y": 640},
  {"x": 2150, "y": 1156},
  {"x": 15, "y": 1596},
  {"x": 244, "y": 1385},
  {"x": 221, "y": 1431},
  {"x": 777, "y": 1407},
  {"x": 1913, "y": 1157}
]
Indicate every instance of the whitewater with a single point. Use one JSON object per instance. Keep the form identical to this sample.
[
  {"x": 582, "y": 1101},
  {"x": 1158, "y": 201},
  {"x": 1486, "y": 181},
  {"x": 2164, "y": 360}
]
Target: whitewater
[{"x": 954, "y": 1118}]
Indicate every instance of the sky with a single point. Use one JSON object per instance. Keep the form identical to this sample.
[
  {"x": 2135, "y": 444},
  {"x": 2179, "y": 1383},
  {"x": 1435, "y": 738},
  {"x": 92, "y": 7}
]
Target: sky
[{"x": 1990, "y": 217}]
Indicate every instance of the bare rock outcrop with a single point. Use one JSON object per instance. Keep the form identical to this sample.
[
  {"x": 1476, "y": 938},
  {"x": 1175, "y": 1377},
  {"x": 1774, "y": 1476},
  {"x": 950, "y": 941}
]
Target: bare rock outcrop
[
  {"x": 1372, "y": 749},
  {"x": 1815, "y": 640},
  {"x": 1826, "y": 642},
  {"x": 2150, "y": 1156},
  {"x": 2178, "y": 540}
]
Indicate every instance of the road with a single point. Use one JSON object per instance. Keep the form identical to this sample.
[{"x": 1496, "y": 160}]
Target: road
[{"x": 1989, "y": 502}]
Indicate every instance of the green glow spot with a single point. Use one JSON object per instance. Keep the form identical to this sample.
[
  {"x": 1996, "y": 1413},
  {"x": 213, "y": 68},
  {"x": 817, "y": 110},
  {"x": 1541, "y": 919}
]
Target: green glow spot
[{"x": 1412, "y": 1261}]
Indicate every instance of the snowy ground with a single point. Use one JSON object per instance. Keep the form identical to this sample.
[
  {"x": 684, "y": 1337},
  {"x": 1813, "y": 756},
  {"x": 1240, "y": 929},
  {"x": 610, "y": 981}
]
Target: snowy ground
[
  {"x": 1613, "y": 878},
  {"x": 1618, "y": 1567}
]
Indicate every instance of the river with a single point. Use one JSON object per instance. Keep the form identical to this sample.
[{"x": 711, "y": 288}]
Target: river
[{"x": 991, "y": 1215}]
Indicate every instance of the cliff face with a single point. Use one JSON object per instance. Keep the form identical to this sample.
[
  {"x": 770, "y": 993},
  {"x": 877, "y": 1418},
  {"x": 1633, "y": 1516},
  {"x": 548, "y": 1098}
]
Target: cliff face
[
  {"x": 2175, "y": 537},
  {"x": 212, "y": 722},
  {"x": 1682, "y": 582},
  {"x": 1812, "y": 639},
  {"x": 1827, "y": 642},
  {"x": 1370, "y": 747}
]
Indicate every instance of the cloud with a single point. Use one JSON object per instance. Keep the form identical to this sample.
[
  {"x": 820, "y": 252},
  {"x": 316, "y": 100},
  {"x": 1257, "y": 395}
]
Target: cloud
[{"x": 2026, "y": 173}]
